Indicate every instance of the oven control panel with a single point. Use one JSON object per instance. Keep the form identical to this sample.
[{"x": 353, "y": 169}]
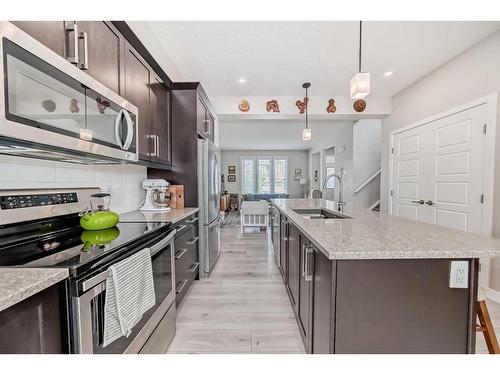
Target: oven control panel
[{"x": 8, "y": 202}]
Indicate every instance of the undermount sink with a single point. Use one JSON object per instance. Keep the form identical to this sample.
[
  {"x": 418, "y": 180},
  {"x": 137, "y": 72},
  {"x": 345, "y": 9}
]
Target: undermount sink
[{"x": 319, "y": 213}]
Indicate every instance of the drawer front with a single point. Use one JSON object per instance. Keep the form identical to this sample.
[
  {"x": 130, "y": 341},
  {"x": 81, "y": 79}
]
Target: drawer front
[
  {"x": 186, "y": 224},
  {"x": 186, "y": 261}
]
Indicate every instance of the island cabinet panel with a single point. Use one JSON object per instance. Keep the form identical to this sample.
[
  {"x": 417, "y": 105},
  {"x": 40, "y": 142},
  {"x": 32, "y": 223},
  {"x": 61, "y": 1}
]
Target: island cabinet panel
[
  {"x": 284, "y": 248},
  {"x": 323, "y": 304},
  {"x": 293, "y": 265},
  {"x": 34, "y": 325},
  {"x": 306, "y": 277},
  {"x": 403, "y": 306}
]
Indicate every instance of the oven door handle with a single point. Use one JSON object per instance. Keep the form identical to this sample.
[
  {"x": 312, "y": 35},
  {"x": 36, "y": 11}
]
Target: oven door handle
[{"x": 100, "y": 277}]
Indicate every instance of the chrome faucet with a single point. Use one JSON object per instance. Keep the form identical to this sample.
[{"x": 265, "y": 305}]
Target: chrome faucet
[{"x": 340, "y": 202}]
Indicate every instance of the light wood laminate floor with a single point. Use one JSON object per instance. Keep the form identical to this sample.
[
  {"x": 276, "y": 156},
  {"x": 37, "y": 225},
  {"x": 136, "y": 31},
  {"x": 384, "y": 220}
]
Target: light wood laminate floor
[{"x": 242, "y": 308}]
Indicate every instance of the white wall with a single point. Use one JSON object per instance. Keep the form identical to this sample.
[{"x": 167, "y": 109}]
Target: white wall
[
  {"x": 122, "y": 181},
  {"x": 472, "y": 75},
  {"x": 366, "y": 161},
  {"x": 341, "y": 138},
  {"x": 297, "y": 159}
]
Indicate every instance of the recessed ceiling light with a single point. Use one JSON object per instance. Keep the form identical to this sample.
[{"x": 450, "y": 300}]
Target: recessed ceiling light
[
  {"x": 389, "y": 73},
  {"x": 242, "y": 80}
]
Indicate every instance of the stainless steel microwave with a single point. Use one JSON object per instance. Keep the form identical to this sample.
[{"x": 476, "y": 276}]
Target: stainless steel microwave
[{"x": 50, "y": 109}]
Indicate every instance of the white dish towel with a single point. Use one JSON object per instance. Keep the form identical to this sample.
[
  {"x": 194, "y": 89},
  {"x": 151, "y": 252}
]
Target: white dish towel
[{"x": 129, "y": 294}]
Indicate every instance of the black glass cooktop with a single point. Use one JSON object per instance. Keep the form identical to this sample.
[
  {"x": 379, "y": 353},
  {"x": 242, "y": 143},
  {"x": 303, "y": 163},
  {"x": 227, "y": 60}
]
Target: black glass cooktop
[{"x": 61, "y": 242}]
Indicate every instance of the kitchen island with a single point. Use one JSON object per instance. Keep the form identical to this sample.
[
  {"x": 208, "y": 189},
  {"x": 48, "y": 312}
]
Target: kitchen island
[{"x": 365, "y": 282}]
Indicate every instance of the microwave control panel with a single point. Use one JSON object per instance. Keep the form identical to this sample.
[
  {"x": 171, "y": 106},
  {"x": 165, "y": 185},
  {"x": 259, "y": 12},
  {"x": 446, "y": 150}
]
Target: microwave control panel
[{"x": 8, "y": 202}]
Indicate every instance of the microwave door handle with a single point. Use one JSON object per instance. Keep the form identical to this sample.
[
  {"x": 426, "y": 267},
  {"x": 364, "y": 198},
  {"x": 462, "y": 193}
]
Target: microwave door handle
[
  {"x": 130, "y": 130},
  {"x": 118, "y": 121}
]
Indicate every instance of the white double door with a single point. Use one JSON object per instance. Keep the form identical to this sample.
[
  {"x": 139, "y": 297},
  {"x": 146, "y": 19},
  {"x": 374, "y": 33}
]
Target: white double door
[{"x": 438, "y": 171}]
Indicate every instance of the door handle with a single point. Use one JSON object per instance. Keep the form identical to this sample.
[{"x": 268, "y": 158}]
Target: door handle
[
  {"x": 421, "y": 201},
  {"x": 73, "y": 27},
  {"x": 429, "y": 202},
  {"x": 83, "y": 35}
]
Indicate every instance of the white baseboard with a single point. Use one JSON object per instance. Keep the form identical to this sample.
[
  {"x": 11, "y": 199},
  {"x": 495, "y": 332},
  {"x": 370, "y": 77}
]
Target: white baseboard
[{"x": 493, "y": 295}]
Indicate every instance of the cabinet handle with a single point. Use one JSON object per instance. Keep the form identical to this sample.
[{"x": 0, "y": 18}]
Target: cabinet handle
[
  {"x": 180, "y": 253},
  {"x": 308, "y": 277},
  {"x": 420, "y": 201},
  {"x": 157, "y": 146},
  {"x": 429, "y": 202},
  {"x": 183, "y": 284},
  {"x": 194, "y": 267},
  {"x": 180, "y": 227},
  {"x": 85, "y": 64},
  {"x": 303, "y": 260},
  {"x": 191, "y": 221},
  {"x": 193, "y": 241},
  {"x": 73, "y": 27}
]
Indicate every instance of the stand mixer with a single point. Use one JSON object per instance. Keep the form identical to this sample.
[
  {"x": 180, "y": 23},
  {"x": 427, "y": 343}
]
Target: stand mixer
[{"x": 157, "y": 195}]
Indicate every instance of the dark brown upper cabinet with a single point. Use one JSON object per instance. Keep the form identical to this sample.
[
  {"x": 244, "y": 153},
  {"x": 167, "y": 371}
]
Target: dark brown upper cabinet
[
  {"x": 100, "y": 52},
  {"x": 50, "y": 33},
  {"x": 147, "y": 91},
  {"x": 161, "y": 125},
  {"x": 105, "y": 53},
  {"x": 205, "y": 120},
  {"x": 93, "y": 46}
]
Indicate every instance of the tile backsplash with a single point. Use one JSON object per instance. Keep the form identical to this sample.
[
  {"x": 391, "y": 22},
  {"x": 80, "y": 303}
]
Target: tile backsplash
[{"x": 123, "y": 181}]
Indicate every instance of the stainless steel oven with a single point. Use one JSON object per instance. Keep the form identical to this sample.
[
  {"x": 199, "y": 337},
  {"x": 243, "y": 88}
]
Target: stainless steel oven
[
  {"x": 51, "y": 109},
  {"x": 154, "y": 331}
]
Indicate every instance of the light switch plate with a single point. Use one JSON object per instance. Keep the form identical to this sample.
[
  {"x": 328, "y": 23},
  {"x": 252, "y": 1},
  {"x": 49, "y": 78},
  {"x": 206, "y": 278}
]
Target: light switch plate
[{"x": 459, "y": 274}]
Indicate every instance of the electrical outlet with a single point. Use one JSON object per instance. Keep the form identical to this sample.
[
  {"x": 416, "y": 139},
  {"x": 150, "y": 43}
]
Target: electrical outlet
[{"x": 459, "y": 274}]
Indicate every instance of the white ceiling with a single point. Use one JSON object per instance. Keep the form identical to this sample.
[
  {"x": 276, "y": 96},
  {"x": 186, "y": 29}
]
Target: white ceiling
[
  {"x": 277, "y": 57},
  {"x": 277, "y": 134}
]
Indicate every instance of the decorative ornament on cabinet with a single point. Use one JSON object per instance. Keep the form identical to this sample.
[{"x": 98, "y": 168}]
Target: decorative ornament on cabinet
[
  {"x": 302, "y": 105},
  {"x": 331, "y": 106},
  {"x": 359, "y": 105},
  {"x": 244, "y": 105},
  {"x": 272, "y": 106}
]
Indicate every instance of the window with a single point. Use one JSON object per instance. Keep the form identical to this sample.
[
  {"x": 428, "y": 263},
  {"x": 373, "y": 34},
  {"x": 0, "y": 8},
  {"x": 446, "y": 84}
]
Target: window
[
  {"x": 248, "y": 173},
  {"x": 264, "y": 175},
  {"x": 280, "y": 175}
]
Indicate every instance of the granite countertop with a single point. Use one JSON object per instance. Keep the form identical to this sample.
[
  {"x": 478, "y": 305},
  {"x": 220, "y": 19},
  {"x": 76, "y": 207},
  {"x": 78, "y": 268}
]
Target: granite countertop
[
  {"x": 173, "y": 216},
  {"x": 17, "y": 284},
  {"x": 373, "y": 235}
]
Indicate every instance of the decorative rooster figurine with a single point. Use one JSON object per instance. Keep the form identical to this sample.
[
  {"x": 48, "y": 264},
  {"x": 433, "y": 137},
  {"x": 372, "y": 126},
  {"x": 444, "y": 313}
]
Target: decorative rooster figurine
[{"x": 302, "y": 105}]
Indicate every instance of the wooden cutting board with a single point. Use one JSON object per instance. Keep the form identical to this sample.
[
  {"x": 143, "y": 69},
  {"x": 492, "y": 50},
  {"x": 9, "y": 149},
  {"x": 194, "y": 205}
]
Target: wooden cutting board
[{"x": 176, "y": 196}]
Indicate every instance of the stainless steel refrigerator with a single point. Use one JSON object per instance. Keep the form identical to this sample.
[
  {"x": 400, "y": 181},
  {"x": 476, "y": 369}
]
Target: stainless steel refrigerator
[{"x": 209, "y": 183}]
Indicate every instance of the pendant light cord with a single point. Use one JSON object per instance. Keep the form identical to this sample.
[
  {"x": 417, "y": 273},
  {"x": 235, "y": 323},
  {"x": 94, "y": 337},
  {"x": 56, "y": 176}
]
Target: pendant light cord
[
  {"x": 360, "y": 39},
  {"x": 307, "y": 105}
]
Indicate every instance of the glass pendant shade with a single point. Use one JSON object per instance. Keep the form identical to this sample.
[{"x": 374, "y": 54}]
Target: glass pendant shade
[
  {"x": 306, "y": 134},
  {"x": 360, "y": 85}
]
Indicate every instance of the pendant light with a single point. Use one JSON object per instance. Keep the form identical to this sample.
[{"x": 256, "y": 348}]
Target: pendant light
[
  {"x": 306, "y": 133},
  {"x": 360, "y": 82}
]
